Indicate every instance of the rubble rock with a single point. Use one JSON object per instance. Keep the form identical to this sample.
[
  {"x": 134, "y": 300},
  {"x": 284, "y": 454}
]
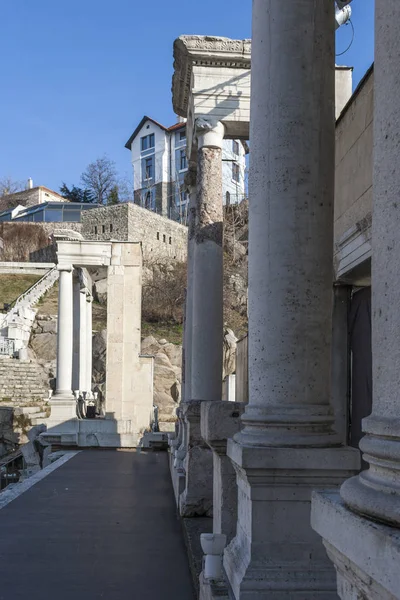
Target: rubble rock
[{"x": 44, "y": 346}]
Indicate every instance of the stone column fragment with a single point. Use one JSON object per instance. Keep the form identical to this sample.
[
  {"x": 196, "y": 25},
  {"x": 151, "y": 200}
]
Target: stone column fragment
[
  {"x": 189, "y": 287},
  {"x": 207, "y": 332}
]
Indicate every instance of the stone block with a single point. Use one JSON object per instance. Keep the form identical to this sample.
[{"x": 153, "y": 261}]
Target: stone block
[
  {"x": 36, "y": 431},
  {"x": 30, "y": 455},
  {"x": 220, "y": 421},
  {"x": 366, "y": 554}
]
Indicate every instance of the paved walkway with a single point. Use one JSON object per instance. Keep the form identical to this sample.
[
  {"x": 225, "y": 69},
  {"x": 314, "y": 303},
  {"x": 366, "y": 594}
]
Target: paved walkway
[{"x": 103, "y": 525}]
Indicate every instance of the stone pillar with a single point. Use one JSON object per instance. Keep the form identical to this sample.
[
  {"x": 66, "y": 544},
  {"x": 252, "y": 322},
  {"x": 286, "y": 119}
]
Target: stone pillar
[
  {"x": 62, "y": 420},
  {"x": 376, "y": 491},
  {"x": 76, "y": 333},
  {"x": 364, "y": 549},
  {"x": 65, "y": 334},
  {"x": 189, "y": 286},
  {"x": 206, "y": 332},
  {"x": 283, "y": 450},
  {"x": 82, "y": 341},
  {"x": 89, "y": 332}
]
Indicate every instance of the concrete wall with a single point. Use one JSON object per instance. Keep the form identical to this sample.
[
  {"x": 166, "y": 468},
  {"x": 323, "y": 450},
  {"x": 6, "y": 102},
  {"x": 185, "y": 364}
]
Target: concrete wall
[
  {"x": 160, "y": 236},
  {"x": 343, "y": 88},
  {"x": 353, "y": 175}
]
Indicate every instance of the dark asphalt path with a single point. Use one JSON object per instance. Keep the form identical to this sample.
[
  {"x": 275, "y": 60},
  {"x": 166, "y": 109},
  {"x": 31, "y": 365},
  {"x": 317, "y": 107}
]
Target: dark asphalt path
[{"x": 103, "y": 525}]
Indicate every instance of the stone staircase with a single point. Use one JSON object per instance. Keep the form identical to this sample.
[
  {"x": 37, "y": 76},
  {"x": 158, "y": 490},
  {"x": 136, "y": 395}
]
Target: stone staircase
[
  {"x": 21, "y": 384},
  {"x": 23, "y": 399},
  {"x": 17, "y": 323}
]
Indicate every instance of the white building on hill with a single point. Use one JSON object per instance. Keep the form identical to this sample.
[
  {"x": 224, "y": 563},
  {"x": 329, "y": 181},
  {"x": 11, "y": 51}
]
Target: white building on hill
[{"x": 159, "y": 166}]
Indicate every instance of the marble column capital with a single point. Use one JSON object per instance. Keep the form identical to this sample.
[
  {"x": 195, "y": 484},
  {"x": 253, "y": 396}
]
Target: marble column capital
[
  {"x": 65, "y": 268},
  {"x": 209, "y": 132}
]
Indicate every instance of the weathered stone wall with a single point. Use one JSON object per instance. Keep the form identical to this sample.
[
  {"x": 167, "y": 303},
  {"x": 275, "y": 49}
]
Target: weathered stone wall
[
  {"x": 353, "y": 174},
  {"x": 48, "y": 253},
  {"x": 160, "y": 237}
]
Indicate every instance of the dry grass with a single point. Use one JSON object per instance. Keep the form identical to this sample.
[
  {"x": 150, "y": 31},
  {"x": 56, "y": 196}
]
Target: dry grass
[
  {"x": 171, "y": 332},
  {"x": 12, "y": 286}
]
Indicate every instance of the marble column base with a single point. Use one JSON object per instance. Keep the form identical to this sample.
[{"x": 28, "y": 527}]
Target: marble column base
[
  {"x": 276, "y": 555},
  {"x": 366, "y": 554},
  {"x": 196, "y": 499},
  {"x": 62, "y": 424},
  {"x": 212, "y": 590}
]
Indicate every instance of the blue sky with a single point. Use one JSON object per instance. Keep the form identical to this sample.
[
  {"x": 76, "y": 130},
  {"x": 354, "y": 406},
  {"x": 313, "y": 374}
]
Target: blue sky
[{"x": 78, "y": 75}]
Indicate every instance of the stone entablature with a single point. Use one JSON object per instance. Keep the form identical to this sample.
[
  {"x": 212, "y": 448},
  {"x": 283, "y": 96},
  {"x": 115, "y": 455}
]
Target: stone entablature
[
  {"x": 160, "y": 237},
  {"x": 212, "y": 79}
]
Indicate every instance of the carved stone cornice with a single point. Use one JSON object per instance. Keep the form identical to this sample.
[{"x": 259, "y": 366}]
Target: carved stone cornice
[{"x": 190, "y": 50}]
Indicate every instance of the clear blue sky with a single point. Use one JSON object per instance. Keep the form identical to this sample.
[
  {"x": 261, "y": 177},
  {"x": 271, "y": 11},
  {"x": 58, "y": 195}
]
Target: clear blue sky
[{"x": 78, "y": 75}]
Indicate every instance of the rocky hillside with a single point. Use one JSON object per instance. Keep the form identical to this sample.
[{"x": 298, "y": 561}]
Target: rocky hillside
[{"x": 167, "y": 363}]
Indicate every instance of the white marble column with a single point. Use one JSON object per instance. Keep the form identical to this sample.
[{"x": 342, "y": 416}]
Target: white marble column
[
  {"x": 206, "y": 233},
  {"x": 283, "y": 450},
  {"x": 82, "y": 341},
  {"x": 89, "y": 351},
  {"x": 62, "y": 420},
  {"x": 76, "y": 332},
  {"x": 65, "y": 334},
  {"x": 364, "y": 542}
]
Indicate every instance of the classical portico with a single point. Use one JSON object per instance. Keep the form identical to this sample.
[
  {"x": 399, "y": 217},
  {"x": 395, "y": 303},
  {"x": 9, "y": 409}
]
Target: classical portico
[{"x": 129, "y": 376}]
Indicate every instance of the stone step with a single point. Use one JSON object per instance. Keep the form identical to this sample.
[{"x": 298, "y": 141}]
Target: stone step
[
  {"x": 29, "y": 410},
  {"x": 38, "y": 417},
  {"x": 19, "y": 390}
]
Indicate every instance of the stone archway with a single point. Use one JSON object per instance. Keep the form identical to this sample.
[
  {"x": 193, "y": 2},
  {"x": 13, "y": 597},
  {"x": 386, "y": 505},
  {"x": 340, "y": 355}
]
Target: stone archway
[{"x": 129, "y": 376}]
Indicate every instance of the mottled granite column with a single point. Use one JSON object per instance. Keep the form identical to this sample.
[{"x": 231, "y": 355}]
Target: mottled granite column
[
  {"x": 206, "y": 370},
  {"x": 207, "y": 317},
  {"x": 188, "y": 341}
]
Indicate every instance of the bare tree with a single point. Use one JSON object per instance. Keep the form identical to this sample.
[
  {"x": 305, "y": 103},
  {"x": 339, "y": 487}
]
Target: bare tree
[
  {"x": 9, "y": 186},
  {"x": 100, "y": 178}
]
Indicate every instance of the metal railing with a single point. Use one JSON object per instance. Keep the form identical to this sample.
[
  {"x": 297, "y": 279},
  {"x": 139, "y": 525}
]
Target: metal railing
[
  {"x": 10, "y": 470},
  {"x": 7, "y": 346},
  {"x": 20, "y": 298}
]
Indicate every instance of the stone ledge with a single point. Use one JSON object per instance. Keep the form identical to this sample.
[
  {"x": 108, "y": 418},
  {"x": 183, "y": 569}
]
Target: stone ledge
[
  {"x": 192, "y": 528},
  {"x": 340, "y": 459},
  {"x": 362, "y": 550}
]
